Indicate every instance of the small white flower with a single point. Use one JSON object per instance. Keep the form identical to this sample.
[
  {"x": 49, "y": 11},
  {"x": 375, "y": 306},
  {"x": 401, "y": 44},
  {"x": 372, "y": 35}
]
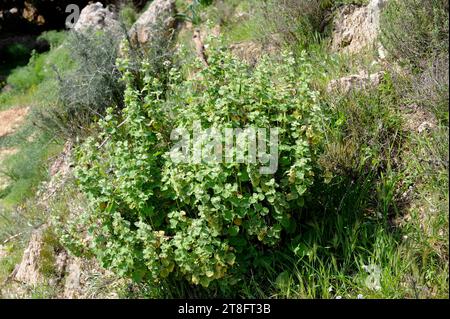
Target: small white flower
[
  {"x": 360, "y": 296},
  {"x": 338, "y": 297}
]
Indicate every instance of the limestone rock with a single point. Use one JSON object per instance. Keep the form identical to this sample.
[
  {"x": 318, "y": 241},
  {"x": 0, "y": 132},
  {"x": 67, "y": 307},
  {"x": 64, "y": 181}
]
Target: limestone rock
[
  {"x": 60, "y": 171},
  {"x": 95, "y": 16},
  {"x": 158, "y": 20},
  {"x": 72, "y": 285},
  {"x": 355, "y": 28},
  {"x": 425, "y": 126},
  {"x": 28, "y": 270},
  {"x": 251, "y": 51},
  {"x": 355, "y": 82},
  {"x": 31, "y": 14},
  {"x": 418, "y": 119}
]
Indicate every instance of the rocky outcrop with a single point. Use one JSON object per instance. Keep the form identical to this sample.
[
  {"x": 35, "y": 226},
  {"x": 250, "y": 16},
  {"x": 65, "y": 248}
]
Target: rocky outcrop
[
  {"x": 356, "y": 27},
  {"x": 94, "y": 16},
  {"x": 31, "y": 14},
  {"x": 249, "y": 51},
  {"x": 79, "y": 281},
  {"x": 72, "y": 284},
  {"x": 28, "y": 271},
  {"x": 71, "y": 276},
  {"x": 60, "y": 172},
  {"x": 43, "y": 261},
  {"x": 42, "y": 244},
  {"x": 360, "y": 81},
  {"x": 252, "y": 51},
  {"x": 418, "y": 119},
  {"x": 157, "y": 21}
]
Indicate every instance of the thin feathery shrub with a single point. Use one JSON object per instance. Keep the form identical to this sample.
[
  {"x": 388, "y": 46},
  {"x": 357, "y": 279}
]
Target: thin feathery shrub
[
  {"x": 416, "y": 34},
  {"x": 415, "y": 31},
  {"x": 93, "y": 84}
]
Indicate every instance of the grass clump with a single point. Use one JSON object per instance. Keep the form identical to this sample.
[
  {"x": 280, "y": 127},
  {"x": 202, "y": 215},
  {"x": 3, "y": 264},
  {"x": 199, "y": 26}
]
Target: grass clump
[
  {"x": 41, "y": 67},
  {"x": 128, "y": 14},
  {"x": 415, "y": 33},
  {"x": 28, "y": 167}
]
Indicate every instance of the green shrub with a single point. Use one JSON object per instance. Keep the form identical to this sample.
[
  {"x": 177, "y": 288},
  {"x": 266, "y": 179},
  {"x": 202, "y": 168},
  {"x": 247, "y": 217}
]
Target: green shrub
[
  {"x": 41, "y": 67},
  {"x": 128, "y": 15},
  {"x": 17, "y": 52},
  {"x": 30, "y": 75},
  {"x": 54, "y": 38},
  {"x": 94, "y": 83},
  {"x": 235, "y": 205},
  {"x": 203, "y": 222}
]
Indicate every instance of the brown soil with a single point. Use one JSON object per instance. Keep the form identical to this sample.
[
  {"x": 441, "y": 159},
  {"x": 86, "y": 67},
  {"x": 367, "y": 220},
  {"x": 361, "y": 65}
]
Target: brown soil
[{"x": 11, "y": 119}]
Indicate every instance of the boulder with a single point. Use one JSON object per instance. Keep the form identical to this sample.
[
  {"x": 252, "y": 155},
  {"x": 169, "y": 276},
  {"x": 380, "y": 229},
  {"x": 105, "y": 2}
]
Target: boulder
[
  {"x": 95, "y": 16},
  {"x": 249, "y": 51},
  {"x": 252, "y": 51},
  {"x": 42, "y": 256},
  {"x": 418, "y": 119},
  {"x": 85, "y": 279},
  {"x": 72, "y": 284},
  {"x": 31, "y": 14},
  {"x": 158, "y": 20},
  {"x": 357, "y": 27},
  {"x": 28, "y": 271},
  {"x": 359, "y": 81}
]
